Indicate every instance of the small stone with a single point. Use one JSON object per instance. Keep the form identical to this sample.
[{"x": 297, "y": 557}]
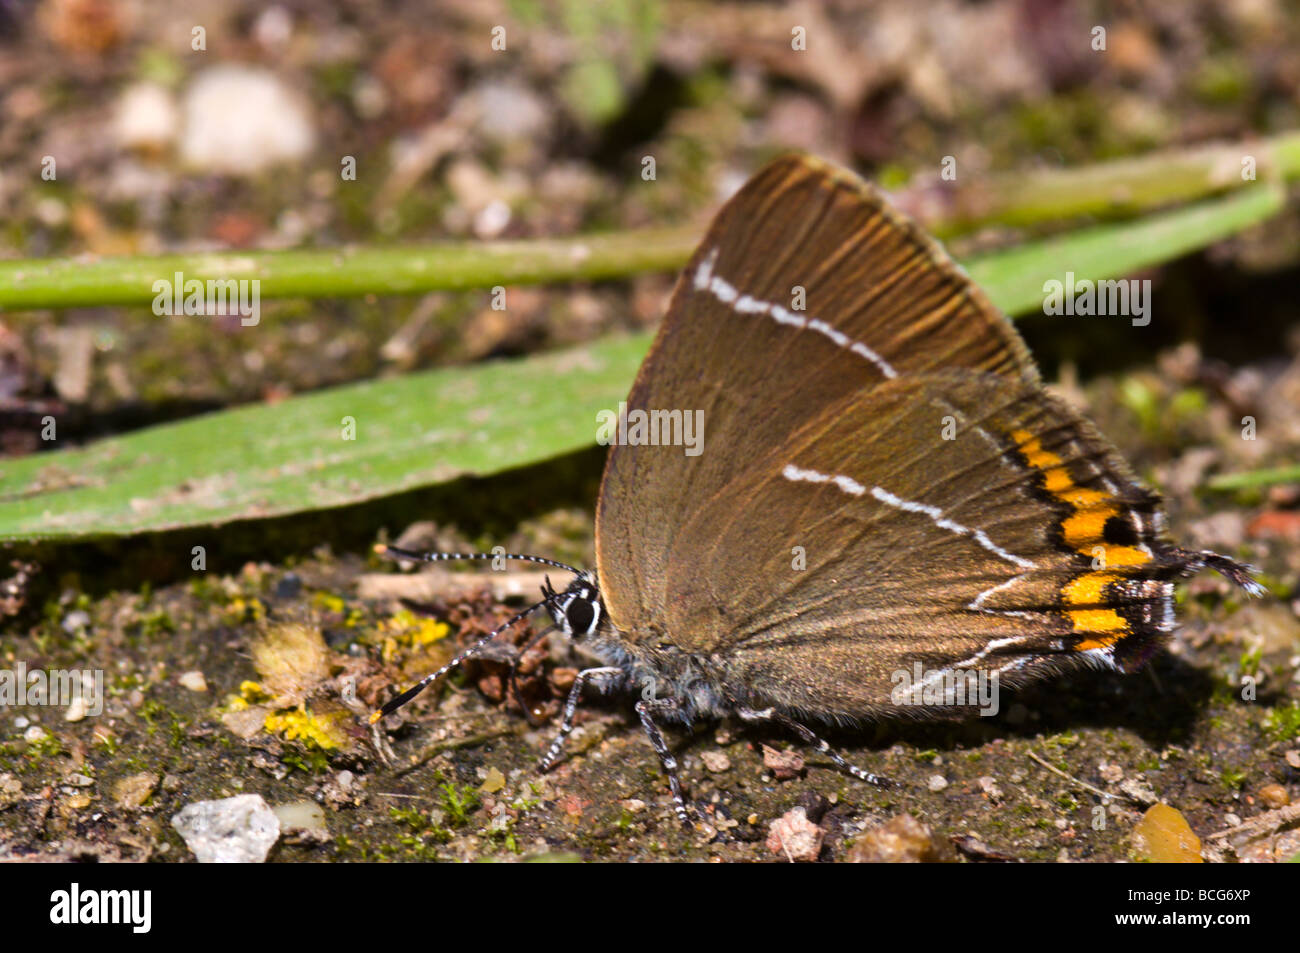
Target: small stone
[
  {"x": 1274, "y": 795},
  {"x": 11, "y": 791},
  {"x": 494, "y": 781},
  {"x": 245, "y": 722},
  {"x": 715, "y": 762},
  {"x": 989, "y": 785},
  {"x": 900, "y": 840},
  {"x": 301, "y": 815},
  {"x": 1110, "y": 773},
  {"x": 634, "y": 805},
  {"x": 78, "y": 620},
  {"x": 795, "y": 837},
  {"x": 784, "y": 765},
  {"x": 289, "y": 586},
  {"x": 145, "y": 117},
  {"x": 240, "y": 829},
  {"x": 132, "y": 792},
  {"x": 240, "y": 120},
  {"x": 76, "y": 709},
  {"x": 1138, "y": 790},
  {"x": 34, "y": 734},
  {"x": 194, "y": 681},
  {"x": 1231, "y": 820},
  {"x": 1163, "y": 836},
  {"x": 1293, "y": 758},
  {"x": 936, "y": 782}
]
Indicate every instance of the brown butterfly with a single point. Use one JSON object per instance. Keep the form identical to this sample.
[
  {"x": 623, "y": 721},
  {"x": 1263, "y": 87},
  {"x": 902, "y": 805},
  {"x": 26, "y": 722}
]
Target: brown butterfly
[{"x": 887, "y": 503}]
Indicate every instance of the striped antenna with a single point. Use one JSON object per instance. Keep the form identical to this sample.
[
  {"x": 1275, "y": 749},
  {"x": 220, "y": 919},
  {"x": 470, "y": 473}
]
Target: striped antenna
[
  {"x": 384, "y": 550},
  {"x": 429, "y": 679}
]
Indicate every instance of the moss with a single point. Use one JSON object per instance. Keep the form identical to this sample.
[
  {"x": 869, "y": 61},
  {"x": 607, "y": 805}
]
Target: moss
[{"x": 1283, "y": 723}]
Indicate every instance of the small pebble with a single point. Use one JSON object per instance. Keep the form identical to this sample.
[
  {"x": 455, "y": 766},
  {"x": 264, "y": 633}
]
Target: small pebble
[
  {"x": 307, "y": 815},
  {"x": 795, "y": 837},
  {"x": 784, "y": 765},
  {"x": 133, "y": 791},
  {"x": 76, "y": 709},
  {"x": 34, "y": 734},
  {"x": 900, "y": 840},
  {"x": 715, "y": 762},
  {"x": 194, "y": 681},
  {"x": 494, "y": 781},
  {"x": 1274, "y": 795},
  {"x": 288, "y": 586},
  {"x": 240, "y": 829},
  {"x": 1138, "y": 790},
  {"x": 75, "y": 621},
  {"x": 936, "y": 782},
  {"x": 1110, "y": 773}
]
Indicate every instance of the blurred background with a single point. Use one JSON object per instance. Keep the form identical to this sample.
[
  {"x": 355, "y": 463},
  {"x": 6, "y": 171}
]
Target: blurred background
[{"x": 223, "y": 125}]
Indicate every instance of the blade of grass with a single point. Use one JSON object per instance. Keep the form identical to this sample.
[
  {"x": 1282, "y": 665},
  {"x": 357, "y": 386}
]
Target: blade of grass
[
  {"x": 429, "y": 428},
  {"x": 1110, "y": 250},
  {"x": 1252, "y": 479},
  {"x": 1129, "y": 185}
]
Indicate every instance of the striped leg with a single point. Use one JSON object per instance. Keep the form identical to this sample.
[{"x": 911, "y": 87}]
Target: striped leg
[
  {"x": 571, "y": 706},
  {"x": 514, "y": 675},
  {"x": 646, "y": 709},
  {"x": 806, "y": 735}
]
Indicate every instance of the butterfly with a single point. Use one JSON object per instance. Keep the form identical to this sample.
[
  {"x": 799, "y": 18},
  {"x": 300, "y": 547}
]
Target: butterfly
[{"x": 886, "y": 501}]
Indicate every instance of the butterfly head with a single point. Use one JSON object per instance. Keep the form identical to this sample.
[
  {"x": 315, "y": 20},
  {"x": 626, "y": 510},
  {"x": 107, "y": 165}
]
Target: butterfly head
[{"x": 577, "y": 610}]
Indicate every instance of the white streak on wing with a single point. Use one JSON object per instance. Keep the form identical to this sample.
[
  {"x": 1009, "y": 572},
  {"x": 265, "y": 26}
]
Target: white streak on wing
[
  {"x": 705, "y": 271},
  {"x": 847, "y": 484},
  {"x": 943, "y": 522},
  {"x": 724, "y": 291},
  {"x": 977, "y": 604},
  {"x": 854, "y": 488}
]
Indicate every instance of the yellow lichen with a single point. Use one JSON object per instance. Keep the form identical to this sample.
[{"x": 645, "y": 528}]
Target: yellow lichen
[{"x": 301, "y": 725}]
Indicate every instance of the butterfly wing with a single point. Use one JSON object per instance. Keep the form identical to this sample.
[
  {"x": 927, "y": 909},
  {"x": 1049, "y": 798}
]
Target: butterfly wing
[
  {"x": 807, "y": 287},
  {"x": 1012, "y": 538}
]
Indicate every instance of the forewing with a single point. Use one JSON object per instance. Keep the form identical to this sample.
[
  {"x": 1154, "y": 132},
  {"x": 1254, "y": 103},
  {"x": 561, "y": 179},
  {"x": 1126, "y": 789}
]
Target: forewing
[{"x": 808, "y": 287}]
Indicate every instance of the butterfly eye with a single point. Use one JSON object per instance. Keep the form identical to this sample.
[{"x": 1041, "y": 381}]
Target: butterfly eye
[{"x": 581, "y": 615}]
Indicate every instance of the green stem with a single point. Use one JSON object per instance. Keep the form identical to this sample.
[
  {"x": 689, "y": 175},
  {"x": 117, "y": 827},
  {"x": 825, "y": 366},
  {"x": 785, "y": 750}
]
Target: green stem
[
  {"x": 1255, "y": 478},
  {"x": 1126, "y": 186},
  {"x": 1119, "y": 187},
  {"x": 348, "y": 272}
]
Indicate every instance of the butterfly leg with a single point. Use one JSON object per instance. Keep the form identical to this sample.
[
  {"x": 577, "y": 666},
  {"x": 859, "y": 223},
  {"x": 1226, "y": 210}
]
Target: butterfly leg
[
  {"x": 646, "y": 709},
  {"x": 514, "y": 676},
  {"x": 806, "y": 735},
  {"x": 570, "y": 707}
]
